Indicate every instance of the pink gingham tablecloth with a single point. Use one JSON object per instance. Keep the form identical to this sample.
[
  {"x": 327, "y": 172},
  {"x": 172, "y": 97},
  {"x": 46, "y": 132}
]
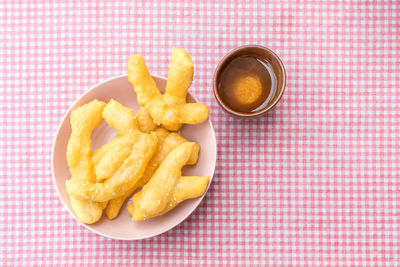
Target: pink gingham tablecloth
[{"x": 315, "y": 182}]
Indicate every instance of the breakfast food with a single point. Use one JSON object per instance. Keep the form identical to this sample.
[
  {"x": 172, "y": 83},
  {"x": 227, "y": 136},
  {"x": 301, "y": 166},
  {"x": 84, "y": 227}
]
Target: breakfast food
[
  {"x": 157, "y": 194},
  {"x": 170, "y": 112},
  {"x": 141, "y": 155},
  {"x": 120, "y": 117},
  {"x": 115, "y": 204},
  {"x": 128, "y": 173},
  {"x": 180, "y": 77},
  {"x": 166, "y": 142},
  {"x": 83, "y": 120},
  {"x": 115, "y": 156},
  {"x": 188, "y": 187},
  {"x": 124, "y": 121},
  {"x": 146, "y": 123}
]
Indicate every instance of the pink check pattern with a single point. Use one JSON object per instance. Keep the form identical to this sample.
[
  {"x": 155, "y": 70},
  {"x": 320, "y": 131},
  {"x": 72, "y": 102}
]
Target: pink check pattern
[{"x": 315, "y": 182}]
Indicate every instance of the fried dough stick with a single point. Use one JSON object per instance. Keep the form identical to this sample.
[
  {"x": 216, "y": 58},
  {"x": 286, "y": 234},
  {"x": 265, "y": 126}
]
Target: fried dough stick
[
  {"x": 188, "y": 187},
  {"x": 127, "y": 174},
  {"x": 156, "y": 194},
  {"x": 114, "y": 205},
  {"x": 83, "y": 121},
  {"x": 162, "y": 113},
  {"x": 145, "y": 121},
  {"x": 123, "y": 119},
  {"x": 166, "y": 142},
  {"x": 180, "y": 77},
  {"x": 110, "y": 157}
]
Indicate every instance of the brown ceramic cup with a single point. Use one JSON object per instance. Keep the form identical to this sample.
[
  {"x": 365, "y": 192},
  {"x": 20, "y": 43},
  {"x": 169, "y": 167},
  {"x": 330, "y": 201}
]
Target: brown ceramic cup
[{"x": 260, "y": 52}]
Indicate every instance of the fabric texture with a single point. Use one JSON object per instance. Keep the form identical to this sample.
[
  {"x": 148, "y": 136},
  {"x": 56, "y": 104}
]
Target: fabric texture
[{"x": 315, "y": 182}]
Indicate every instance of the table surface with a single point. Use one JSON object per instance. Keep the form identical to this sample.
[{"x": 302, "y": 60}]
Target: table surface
[{"x": 314, "y": 182}]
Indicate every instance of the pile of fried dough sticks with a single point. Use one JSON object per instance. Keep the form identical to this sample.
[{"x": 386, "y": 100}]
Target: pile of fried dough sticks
[{"x": 147, "y": 153}]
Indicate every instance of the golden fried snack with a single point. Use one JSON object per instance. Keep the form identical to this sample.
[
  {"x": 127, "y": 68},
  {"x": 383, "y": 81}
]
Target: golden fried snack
[
  {"x": 166, "y": 142},
  {"x": 83, "y": 121},
  {"x": 148, "y": 96},
  {"x": 100, "y": 152},
  {"x": 108, "y": 158},
  {"x": 86, "y": 210},
  {"x": 158, "y": 191},
  {"x": 180, "y": 77},
  {"x": 123, "y": 119},
  {"x": 188, "y": 187},
  {"x": 173, "y": 140},
  {"x": 104, "y": 204},
  {"x": 115, "y": 156},
  {"x": 146, "y": 123},
  {"x": 114, "y": 205},
  {"x": 127, "y": 174},
  {"x": 170, "y": 141}
]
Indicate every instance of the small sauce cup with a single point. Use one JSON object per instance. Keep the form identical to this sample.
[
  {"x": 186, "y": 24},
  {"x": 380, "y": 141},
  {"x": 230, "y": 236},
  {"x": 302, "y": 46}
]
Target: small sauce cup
[{"x": 259, "y": 52}]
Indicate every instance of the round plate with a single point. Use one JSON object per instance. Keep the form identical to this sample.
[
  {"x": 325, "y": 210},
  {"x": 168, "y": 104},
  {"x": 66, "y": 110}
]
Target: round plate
[{"x": 123, "y": 227}]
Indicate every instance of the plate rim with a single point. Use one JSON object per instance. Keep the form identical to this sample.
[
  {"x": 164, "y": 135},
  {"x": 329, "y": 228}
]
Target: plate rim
[{"x": 56, "y": 135}]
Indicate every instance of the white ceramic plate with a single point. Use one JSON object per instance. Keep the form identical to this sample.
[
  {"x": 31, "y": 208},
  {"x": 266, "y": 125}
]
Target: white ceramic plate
[{"x": 122, "y": 227}]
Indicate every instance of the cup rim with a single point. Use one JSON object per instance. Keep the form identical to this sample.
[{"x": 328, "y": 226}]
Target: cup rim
[{"x": 235, "y": 113}]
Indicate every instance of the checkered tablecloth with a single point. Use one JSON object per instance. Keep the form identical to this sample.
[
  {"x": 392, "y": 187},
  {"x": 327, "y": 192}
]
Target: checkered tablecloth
[{"x": 315, "y": 182}]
